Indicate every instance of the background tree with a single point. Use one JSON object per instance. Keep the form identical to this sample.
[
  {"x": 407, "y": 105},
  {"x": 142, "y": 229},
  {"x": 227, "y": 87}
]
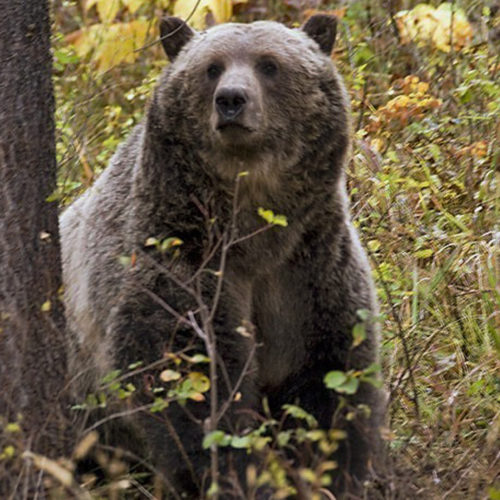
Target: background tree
[{"x": 32, "y": 341}]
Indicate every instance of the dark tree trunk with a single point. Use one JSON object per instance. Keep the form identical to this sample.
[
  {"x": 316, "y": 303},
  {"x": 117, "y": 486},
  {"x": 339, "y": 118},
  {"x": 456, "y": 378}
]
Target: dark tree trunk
[{"x": 32, "y": 335}]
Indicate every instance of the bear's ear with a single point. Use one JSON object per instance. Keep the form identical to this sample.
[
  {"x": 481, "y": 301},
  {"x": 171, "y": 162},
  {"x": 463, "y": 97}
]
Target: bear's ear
[
  {"x": 174, "y": 33},
  {"x": 322, "y": 29}
]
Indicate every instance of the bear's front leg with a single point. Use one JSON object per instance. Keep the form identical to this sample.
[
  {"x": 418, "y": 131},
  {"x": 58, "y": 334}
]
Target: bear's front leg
[
  {"x": 335, "y": 293},
  {"x": 164, "y": 326},
  {"x": 344, "y": 294}
]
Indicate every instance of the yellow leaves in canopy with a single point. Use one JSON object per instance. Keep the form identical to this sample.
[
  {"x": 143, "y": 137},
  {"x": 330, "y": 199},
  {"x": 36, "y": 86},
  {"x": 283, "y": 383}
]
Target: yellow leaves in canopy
[
  {"x": 106, "y": 9},
  {"x": 132, "y": 5},
  {"x": 111, "y": 44},
  {"x": 439, "y": 26},
  {"x": 221, "y": 10}
]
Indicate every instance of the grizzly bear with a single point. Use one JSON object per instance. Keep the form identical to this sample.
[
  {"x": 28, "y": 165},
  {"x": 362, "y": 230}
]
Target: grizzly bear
[{"x": 168, "y": 251}]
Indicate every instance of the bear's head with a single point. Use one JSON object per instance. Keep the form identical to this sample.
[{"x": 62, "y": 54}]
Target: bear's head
[{"x": 253, "y": 96}]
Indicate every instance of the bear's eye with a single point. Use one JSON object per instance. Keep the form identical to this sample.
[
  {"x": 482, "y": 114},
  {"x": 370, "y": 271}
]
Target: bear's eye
[
  {"x": 268, "y": 67},
  {"x": 214, "y": 71}
]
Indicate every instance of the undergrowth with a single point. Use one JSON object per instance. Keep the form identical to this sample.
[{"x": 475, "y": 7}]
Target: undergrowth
[{"x": 424, "y": 188}]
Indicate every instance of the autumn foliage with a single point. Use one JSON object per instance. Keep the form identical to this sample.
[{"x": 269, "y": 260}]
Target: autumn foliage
[{"x": 423, "y": 182}]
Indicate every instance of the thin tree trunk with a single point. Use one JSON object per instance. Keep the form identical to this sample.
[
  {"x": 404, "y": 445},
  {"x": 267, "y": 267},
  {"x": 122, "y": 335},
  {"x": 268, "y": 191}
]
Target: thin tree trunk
[{"x": 32, "y": 327}]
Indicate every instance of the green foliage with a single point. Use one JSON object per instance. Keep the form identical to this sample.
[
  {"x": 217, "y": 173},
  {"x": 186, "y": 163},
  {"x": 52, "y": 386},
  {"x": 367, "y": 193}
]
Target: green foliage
[
  {"x": 348, "y": 382},
  {"x": 424, "y": 187},
  {"x": 275, "y": 441},
  {"x": 271, "y": 218}
]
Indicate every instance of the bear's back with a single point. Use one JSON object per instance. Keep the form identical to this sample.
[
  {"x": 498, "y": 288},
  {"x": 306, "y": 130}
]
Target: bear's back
[{"x": 93, "y": 238}]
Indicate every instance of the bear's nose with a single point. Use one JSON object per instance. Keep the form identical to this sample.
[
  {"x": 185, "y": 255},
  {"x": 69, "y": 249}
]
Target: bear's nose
[{"x": 230, "y": 102}]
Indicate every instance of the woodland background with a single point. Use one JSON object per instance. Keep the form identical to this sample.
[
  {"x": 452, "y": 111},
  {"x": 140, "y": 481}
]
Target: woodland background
[{"x": 424, "y": 81}]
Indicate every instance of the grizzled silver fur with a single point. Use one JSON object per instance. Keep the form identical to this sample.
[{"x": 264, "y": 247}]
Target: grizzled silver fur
[{"x": 263, "y": 99}]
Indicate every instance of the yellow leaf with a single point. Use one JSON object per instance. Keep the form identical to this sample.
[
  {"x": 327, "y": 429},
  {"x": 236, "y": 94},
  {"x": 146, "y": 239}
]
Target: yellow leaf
[
  {"x": 132, "y": 5},
  {"x": 221, "y": 10},
  {"x": 425, "y": 24},
  {"x": 271, "y": 218},
  {"x": 374, "y": 245},
  {"x": 111, "y": 44},
  {"x": 194, "y": 15},
  {"x": 169, "y": 375},
  {"x": 378, "y": 144},
  {"x": 107, "y": 9},
  {"x": 8, "y": 452},
  {"x": 422, "y": 87},
  {"x": 12, "y": 427},
  {"x": 196, "y": 396},
  {"x": 199, "y": 381},
  {"x": 46, "y": 306},
  {"x": 151, "y": 242},
  {"x": 84, "y": 40}
]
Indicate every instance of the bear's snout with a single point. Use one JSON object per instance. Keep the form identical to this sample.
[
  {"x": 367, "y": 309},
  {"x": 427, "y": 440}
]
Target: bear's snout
[
  {"x": 230, "y": 103},
  {"x": 236, "y": 111}
]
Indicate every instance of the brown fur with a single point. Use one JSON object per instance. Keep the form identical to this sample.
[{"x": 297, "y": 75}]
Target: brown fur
[{"x": 300, "y": 286}]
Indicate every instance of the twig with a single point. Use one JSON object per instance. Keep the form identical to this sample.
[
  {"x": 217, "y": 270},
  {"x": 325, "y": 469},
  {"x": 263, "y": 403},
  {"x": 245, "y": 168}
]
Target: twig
[
  {"x": 242, "y": 375},
  {"x": 172, "y": 33}
]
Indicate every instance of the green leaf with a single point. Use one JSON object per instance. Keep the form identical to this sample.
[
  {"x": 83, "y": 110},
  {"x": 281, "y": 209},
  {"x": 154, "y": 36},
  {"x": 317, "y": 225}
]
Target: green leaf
[
  {"x": 271, "y": 218},
  {"x": 110, "y": 377},
  {"x": 337, "y": 434},
  {"x": 135, "y": 365},
  {"x": 260, "y": 442},
  {"x": 376, "y": 382},
  {"x": 350, "y": 386},
  {"x": 12, "y": 427},
  {"x": 218, "y": 438},
  {"x": 170, "y": 243},
  {"x": 364, "y": 314},
  {"x": 373, "y": 368},
  {"x": 424, "y": 253},
  {"x": 298, "y": 412},
  {"x": 213, "y": 490},
  {"x": 358, "y": 334},
  {"x": 315, "y": 435},
  {"x": 334, "y": 379},
  {"x": 494, "y": 493},
  {"x": 151, "y": 242},
  {"x": 373, "y": 245},
  {"x": 199, "y": 358},
  {"x": 280, "y": 220},
  {"x": 283, "y": 438},
  {"x": 159, "y": 404},
  {"x": 308, "y": 475},
  {"x": 241, "y": 441}
]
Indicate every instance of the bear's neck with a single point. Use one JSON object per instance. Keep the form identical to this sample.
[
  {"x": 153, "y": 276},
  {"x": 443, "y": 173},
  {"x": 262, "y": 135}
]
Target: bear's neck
[{"x": 184, "y": 196}]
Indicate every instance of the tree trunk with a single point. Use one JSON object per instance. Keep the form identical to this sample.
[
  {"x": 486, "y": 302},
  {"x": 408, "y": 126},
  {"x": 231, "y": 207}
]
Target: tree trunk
[{"x": 32, "y": 327}]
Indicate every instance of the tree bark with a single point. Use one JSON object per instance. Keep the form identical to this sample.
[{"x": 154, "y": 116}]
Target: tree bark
[{"x": 32, "y": 326}]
